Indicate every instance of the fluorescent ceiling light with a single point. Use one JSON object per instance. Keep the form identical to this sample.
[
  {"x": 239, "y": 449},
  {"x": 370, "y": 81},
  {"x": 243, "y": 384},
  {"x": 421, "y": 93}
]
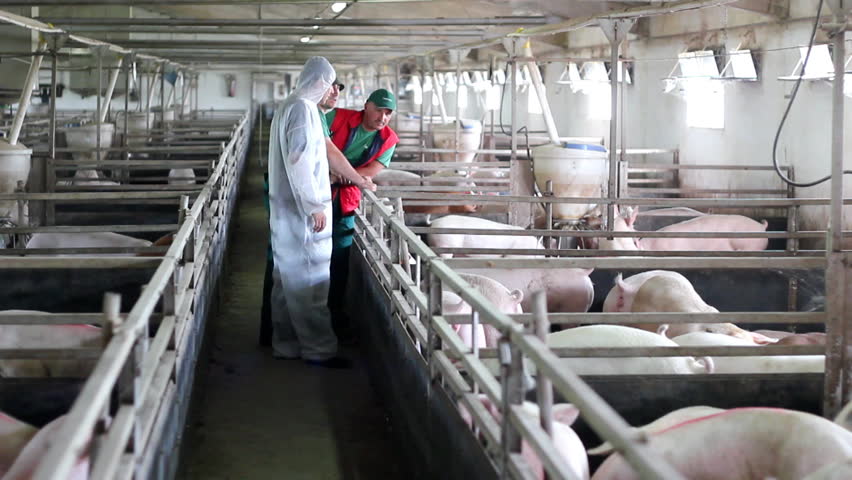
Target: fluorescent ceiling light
[{"x": 338, "y": 7}]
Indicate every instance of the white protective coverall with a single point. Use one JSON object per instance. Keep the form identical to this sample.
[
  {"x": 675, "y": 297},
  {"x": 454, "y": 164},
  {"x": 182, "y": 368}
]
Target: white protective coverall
[{"x": 299, "y": 187}]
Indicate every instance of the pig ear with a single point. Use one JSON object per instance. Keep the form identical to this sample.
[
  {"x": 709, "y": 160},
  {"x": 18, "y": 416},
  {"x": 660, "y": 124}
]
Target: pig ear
[
  {"x": 517, "y": 295},
  {"x": 634, "y": 212},
  {"x": 761, "y": 339},
  {"x": 565, "y": 413},
  {"x": 662, "y": 329},
  {"x": 620, "y": 288}
]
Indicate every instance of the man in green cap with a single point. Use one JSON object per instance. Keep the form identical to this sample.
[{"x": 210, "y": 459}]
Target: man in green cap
[{"x": 368, "y": 143}]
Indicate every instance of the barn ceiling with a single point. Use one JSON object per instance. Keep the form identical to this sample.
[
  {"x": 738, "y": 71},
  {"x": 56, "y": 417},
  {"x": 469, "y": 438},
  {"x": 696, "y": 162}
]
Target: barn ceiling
[{"x": 286, "y": 32}]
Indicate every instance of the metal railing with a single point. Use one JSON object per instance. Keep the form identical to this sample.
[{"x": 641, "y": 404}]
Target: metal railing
[
  {"x": 121, "y": 411},
  {"x": 388, "y": 245}
]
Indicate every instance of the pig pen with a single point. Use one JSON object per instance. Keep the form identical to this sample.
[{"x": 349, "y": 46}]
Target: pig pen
[
  {"x": 419, "y": 365},
  {"x": 755, "y": 285},
  {"x": 149, "y": 361}
]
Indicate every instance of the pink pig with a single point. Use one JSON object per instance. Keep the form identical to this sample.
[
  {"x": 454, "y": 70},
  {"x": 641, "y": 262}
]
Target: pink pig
[
  {"x": 744, "y": 444},
  {"x": 704, "y": 223},
  {"x": 567, "y": 442}
]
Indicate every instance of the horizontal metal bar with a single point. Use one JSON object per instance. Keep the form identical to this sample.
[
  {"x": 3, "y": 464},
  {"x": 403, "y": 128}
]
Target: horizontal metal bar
[
  {"x": 602, "y": 233},
  {"x": 272, "y": 31},
  {"x": 707, "y": 191},
  {"x": 673, "y": 318},
  {"x": 289, "y": 22},
  {"x": 634, "y": 263},
  {"x": 671, "y": 202},
  {"x": 633, "y": 352},
  {"x": 91, "y": 228},
  {"x": 78, "y": 262},
  {"x": 50, "y": 353},
  {"x": 658, "y": 167},
  {"x": 575, "y": 253}
]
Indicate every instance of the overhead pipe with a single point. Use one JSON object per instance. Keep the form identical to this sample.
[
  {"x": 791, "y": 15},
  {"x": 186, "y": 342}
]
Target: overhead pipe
[
  {"x": 27, "y": 92},
  {"x": 113, "y": 78},
  {"x": 538, "y": 84}
]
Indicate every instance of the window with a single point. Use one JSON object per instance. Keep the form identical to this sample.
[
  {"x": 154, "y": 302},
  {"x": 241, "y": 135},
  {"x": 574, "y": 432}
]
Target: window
[
  {"x": 819, "y": 63},
  {"x": 705, "y": 98},
  {"x": 741, "y": 66},
  {"x": 705, "y": 103}
]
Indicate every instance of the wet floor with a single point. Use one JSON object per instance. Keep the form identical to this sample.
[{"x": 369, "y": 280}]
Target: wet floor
[{"x": 256, "y": 417}]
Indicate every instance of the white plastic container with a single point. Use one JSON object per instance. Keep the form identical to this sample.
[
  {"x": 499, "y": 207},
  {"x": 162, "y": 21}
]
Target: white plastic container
[
  {"x": 136, "y": 124},
  {"x": 87, "y": 137},
  {"x": 14, "y": 167},
  {"x": 169, "y": 117},
  {"x": 444, "y": 136},
  {"x": 576, "y": 169}
]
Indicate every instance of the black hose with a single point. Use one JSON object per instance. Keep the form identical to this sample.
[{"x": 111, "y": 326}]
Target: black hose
[{"x": 790, "y": 105}]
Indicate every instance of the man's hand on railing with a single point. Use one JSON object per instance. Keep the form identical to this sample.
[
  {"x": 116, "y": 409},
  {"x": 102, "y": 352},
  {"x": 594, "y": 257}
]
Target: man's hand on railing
[{"x": 367, "y": 184}]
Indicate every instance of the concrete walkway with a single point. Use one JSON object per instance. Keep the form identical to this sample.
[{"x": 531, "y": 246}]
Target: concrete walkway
[{"x": 260, "y": 418}]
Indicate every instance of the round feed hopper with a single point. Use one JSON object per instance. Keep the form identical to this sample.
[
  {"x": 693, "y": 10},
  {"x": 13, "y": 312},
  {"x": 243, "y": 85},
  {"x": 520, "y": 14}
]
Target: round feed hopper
[{"x": 576, "y": 169}]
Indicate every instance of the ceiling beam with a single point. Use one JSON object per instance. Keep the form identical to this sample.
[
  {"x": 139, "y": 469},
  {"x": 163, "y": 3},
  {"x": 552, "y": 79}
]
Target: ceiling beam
[
  {"x": 140, "y": 3},
  {"x": 290, "y": 22},
  {"x": 266, "y": 45},
  {"x": 773, "y": 8},
  {"x": 268, "y": 31}
]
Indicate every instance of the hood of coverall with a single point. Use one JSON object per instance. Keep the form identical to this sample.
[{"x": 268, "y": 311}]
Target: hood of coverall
[{"x": 315, "y": 79}]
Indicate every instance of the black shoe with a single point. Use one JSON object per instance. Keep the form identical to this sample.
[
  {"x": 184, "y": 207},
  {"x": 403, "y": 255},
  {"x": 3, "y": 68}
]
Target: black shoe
[{"x": 333, "y": 362}]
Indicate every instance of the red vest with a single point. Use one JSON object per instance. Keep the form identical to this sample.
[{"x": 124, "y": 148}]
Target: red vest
[{"x": 342, "y": 129}]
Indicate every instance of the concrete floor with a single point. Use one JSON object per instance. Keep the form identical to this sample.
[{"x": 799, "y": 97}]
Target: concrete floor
[{"x": 256, "y": 417}]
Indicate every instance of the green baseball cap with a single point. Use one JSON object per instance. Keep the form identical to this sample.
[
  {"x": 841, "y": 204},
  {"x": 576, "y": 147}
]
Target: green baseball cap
[{"x": 383, "y": 98}]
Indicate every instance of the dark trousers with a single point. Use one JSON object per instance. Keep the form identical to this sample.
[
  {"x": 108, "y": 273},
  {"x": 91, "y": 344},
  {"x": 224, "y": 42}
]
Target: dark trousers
[
  {"x": 337, "y": 289},
  {"x": 265, "y": 337}
]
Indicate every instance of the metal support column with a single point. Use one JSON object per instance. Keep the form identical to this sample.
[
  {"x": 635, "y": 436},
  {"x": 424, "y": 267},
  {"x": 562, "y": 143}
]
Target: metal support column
[
  {"x": 838, "y": 370},
  {"x": 49, "y": 214},
  {"x": 616, "y": 32}
]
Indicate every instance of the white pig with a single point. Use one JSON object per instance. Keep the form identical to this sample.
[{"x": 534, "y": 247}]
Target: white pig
[
  {"x": 86, "y": 177},
  {"x": 453, "y": 304},
  {"x": 567, "y": 289},
  {"x": 752, "y": 364},
  {"x": 744, "y": 444},
  {"x": 35, "y": 450},
  {"x": 390, "y": 177},
  {"x": 601, "y": 336},
  {"x": 181, "y": 176},
  {"x": 663, "y": 423},
  {"x": 506, "y": 301},
  {"x": 666, "y": 291},
  {"x": 86, "y": 240},
  {"x": 834, "y": 471},
  {"x": 500, "y": 242},
  {"x": 565, "y": 440},
  {"x": 14, "y": 435},
  {"x": 704, "y": 223},
  {"x": 47, "y": 336}
]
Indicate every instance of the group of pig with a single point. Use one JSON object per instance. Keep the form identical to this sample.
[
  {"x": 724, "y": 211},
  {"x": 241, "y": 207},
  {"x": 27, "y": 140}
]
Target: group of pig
[
  {"x": 708, "y": 443},
  {"x": 700, "y": 442},
  {"x": 623, "y": 222},
  {"x": 571, "y": 290}
]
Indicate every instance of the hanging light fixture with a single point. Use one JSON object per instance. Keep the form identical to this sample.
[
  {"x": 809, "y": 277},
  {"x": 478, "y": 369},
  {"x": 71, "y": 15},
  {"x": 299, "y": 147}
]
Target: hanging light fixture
[
  {"x": 338, "y": 7},
  {"x": 305, "y": 39}
]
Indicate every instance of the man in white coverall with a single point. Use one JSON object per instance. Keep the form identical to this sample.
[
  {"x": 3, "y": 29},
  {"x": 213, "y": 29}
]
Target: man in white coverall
[{"x": 300, "y": 210}]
